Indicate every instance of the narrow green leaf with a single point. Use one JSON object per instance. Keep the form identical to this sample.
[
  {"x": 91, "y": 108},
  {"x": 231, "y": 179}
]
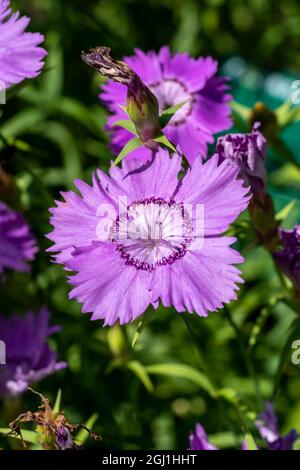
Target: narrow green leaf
[
  {"x": 129, "y": 147},
  {"x": 283, "y": 150},
  {"x": 141, "y": 372},
  {"x": 240, "y": 109},
  {"x": 167, "y": 114},
  {"x": 25, "y": 121},
  {"x": 250, "y": 442},
  {"x": 57, "y": 403},
  {"x": 78, "y": 112},
  {"x": 286, "y": 114},
  {"x": 223, "y": 440},
  {"x": 52, "y": 82},
  {"x": 288, "y": 175},
  {"x": 283, "y": 214},
  {"x": 64, "y": 139},
  {"x": 184, "y": 372},
  {"x": 126, "y": 124},
  {"x": 83, "y": 434},
  {"x": 162, "y": 139},
  {"x": 28, "y": 436},
  {"x": 240, "y": 115},
  {"x": 229, "y": 395}
]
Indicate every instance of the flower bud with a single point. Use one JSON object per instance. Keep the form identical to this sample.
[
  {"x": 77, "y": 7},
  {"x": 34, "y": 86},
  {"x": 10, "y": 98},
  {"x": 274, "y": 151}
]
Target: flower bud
[
  {"x": 117, "y": 341},
  {"x": 141, "y": 104},
  {"x": 247, "y": 152}
]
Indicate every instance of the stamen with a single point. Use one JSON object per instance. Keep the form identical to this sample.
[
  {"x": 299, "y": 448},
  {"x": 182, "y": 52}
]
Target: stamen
[{"x": 152, "y": 232}]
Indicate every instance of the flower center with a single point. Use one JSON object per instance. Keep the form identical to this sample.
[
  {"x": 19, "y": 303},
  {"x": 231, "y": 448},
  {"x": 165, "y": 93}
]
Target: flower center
[
  {"x": 153, "y": 232},
  {"x": 169, "y": 93}
]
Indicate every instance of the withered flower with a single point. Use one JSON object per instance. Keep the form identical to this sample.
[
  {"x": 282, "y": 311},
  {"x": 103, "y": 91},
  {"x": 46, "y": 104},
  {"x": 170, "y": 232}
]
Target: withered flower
[{"x": 53, "y": 428}]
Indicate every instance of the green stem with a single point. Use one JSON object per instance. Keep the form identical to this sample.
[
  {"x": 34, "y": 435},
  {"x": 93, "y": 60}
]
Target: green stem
[
  {"x": 247, "y": 360},
  {"x": 203, "y": 367},
  {"x": 194, "y": 339}
]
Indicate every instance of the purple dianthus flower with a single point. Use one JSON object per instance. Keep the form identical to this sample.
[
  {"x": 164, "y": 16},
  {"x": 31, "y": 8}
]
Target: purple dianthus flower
[
  {"x": 174, "y": 79},
  {"x": 29, "y": 358},
  {"x": 267, "y": 424},
  {"x": 199, "y": 440},
  {"x": 20, "y": 56},
  {"x": 17, "y": 244},
  {"x": 247, "y": 152},
  {"x": 140, "y": 236}
]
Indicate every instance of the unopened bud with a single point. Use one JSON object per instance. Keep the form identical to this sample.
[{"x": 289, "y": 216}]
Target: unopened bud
[
  {"x": 141, "y": 104},
  {"x": 246, "y": 152}
]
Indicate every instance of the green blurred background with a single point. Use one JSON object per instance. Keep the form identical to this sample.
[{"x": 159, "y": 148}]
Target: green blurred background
[{"x": 56, "y": 128}]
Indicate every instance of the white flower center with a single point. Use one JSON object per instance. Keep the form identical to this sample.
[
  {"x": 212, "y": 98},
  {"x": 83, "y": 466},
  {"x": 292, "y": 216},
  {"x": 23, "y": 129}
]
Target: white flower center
[{"x": 152, "y": 233}]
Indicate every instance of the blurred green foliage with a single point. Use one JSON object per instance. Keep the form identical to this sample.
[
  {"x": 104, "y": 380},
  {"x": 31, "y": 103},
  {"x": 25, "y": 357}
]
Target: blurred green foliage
[{"x": 52, "y": 132}]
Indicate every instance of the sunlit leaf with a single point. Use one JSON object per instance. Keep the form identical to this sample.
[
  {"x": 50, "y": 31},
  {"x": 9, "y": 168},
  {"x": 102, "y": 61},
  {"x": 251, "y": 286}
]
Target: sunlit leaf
[
  {"x": 285, "y": 211},
  {"x": 223, "y": 440},
  {"x": 250, "y": 442},
  {"x": 287, "y": 175},
  {"x": 56, "y": 407},
  {"x": 229, "y": 395},
  {"x": 142, "y": 373},
  {"x": 83, "y": 434},
  {"x": 162, "y": 139},
  {"x": 184, "y": 372},
  {"x": 27, "y": 435},
  {"x": 126, "y": 124},
  {"x": 286, "y": 114}
]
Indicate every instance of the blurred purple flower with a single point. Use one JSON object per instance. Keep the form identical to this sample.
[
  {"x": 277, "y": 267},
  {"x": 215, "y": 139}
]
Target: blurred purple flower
[
  {"x": 247, "y": 152},
  {"x": 267, "y": 425},
  {"x": 20, "y": 56},
  {"x": 288, "y": 259},
  {"x": 174, "y": 79},
  {"x": 199, "y": 439},
  {"x": 121, "y": 273},
  {"x": 17, "y": 244},
  {"x": 29, "y": 359}
]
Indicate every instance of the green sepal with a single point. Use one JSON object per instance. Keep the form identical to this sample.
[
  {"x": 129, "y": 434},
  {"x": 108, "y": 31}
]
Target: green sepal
[
  {"x": 131, "y": 145},
  {"x": 168, "y": 113}
]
